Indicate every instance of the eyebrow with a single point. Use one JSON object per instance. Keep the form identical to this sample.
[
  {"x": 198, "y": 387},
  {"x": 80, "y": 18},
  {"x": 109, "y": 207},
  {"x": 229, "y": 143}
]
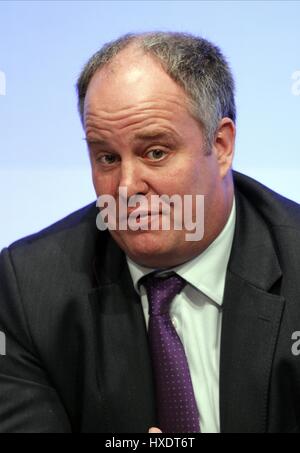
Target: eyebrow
[
  {"x": 155, "y": 135},
  {"x": 99, "y": 141},
  {"x": 140, "y": 136}
]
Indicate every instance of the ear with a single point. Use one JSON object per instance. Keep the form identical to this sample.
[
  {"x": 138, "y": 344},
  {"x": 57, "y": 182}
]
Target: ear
[{"x": 223, "y": 145}]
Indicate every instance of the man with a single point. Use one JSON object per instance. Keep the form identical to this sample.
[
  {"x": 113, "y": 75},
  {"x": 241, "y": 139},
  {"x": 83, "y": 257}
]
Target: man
[{"x": 85, "y": 349}]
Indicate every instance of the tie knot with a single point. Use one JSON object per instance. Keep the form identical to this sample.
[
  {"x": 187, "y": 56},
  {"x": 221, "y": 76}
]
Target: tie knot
[{"x": 161, "y": 291}]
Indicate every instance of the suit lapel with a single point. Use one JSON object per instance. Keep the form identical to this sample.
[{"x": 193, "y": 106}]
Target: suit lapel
[
  {"x": 124, "y": 369},
  {"x": 251, "y": 320}
]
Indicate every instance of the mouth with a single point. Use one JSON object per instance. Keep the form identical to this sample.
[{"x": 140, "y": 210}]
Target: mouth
[
  {"x": 139, "y": 215},
  {"x": 140, "y": 220},
  {"x": 146, "y": 217}
]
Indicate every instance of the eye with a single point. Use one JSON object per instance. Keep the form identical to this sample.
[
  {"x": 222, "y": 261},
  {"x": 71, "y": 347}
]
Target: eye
[
  {"x": 156, "y": 154},
  {"x": 107, "y": 159}
]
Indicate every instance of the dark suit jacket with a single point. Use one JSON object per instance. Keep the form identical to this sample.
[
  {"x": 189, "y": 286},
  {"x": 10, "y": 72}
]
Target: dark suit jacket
[{"x": 77, "y": 354}]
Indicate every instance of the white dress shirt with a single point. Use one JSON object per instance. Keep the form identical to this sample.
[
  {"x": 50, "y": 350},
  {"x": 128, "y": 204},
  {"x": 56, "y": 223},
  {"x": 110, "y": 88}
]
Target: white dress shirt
[{"x": 196, "y": 314}]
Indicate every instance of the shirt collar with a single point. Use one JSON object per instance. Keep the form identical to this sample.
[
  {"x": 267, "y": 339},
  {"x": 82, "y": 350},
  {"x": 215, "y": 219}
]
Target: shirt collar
[{"x": 206, "y": 272}]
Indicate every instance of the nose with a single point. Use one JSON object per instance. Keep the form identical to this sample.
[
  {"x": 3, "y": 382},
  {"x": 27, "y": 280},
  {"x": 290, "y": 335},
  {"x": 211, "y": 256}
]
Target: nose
[{"x": 132, "y": 177}]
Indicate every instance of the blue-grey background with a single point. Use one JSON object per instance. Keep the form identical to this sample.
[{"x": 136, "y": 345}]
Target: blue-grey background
[{"x": 44, "y": 167}]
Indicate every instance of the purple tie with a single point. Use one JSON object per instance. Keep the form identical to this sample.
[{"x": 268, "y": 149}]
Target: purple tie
[{"x": 176, "y": 404}]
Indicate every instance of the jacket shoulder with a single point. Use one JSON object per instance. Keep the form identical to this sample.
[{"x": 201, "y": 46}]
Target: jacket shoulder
[
  {"x": 277, "y": 210},
  {"x": 71, "y": 224},
  {"x": 69, "y": 243}
]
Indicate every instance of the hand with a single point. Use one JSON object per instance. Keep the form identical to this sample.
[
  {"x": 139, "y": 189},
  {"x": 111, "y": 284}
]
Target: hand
[{"x": 154, "y": 430}]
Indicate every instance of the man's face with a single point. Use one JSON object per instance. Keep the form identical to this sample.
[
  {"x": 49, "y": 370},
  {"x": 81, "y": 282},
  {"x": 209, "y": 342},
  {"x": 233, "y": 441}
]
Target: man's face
[{"x": 141, "y": 136}]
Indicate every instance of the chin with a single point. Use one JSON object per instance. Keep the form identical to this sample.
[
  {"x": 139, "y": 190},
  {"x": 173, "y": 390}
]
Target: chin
[{"x": 146, "y": 248}]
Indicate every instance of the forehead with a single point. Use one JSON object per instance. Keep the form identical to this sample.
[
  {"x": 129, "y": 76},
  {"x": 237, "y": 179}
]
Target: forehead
[{"x": 131, "y": 80}]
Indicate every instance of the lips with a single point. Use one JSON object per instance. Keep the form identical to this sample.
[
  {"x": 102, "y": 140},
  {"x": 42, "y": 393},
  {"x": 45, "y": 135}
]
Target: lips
[{"x": 139, "y": 214}]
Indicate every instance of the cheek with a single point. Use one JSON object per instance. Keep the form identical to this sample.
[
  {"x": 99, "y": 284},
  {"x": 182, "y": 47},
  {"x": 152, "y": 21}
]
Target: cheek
[
  {"x": 104, "y": 184},
  {"x": 184, "y": 180},
  {"x": 198, "y": 176}
]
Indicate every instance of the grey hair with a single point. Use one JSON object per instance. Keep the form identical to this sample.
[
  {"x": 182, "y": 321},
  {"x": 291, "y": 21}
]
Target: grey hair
[{"x": 194, "y": 63}]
